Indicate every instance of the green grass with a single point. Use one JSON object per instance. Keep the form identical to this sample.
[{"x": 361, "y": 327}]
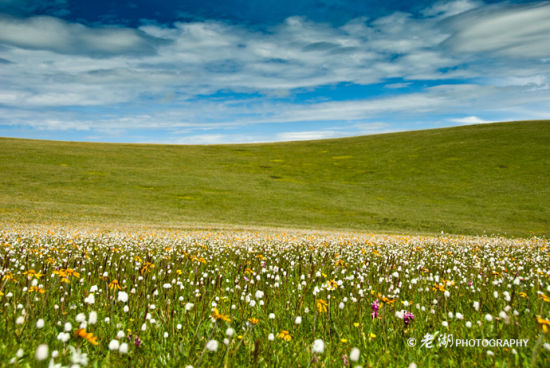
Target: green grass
[{"x": 490, "y": 179}]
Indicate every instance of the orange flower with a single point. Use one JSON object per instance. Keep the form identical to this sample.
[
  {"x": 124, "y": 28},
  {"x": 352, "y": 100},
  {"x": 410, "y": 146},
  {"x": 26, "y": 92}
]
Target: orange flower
[
  {"x": 253, "y": 320},
  {"x": 88, "y": 336},
  {"x": 285, "y": 336}
]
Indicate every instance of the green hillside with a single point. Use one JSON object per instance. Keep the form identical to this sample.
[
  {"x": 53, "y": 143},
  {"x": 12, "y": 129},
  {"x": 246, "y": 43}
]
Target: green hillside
[{"x": 492, "y": 179}]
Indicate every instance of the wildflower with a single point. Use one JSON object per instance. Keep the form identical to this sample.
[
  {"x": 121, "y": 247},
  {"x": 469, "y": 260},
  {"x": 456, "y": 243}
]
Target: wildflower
[
  {"x": 90, "y": 299},
  {"x": 468, "y": 324},
  {"x": 92, "y": 318},
  {"x": 20, "y": 320},
  {"x": 41, "y": 352},
  {"x": 147, "y": 267},
  {"x": 137, "y": 342},
  {"x": 188, "y": 306},
  {"x": 123, "y": 349},
  {"x": 40, "y": 323},
  {"x": 322, "y": 306},
  {"x": 88, "y": 336},
  {"x": 229, "y": 332},
  {"x": 122, "y": 296},
  {"x": 271, "y": 315},
  {"x": 212, "y": 345},
  {"x": 488, "y": 317},
  {"x": 77, "y": 357},
  {"x": 375, "y": 307},
  {"x": 63, "y": 337},
  {"x": 217, "y": 315},
  {"x": 408, "y": 317},
  {"x": 332, "y": 285},
  {"x": 114, "y": 345},
  {"x": 114, "y": 285},
  {"x": 271, "y": 337},
  {"x": 253, "y": 321},
  {"x": 354, "y": 355},
  {"x": 285, "y": 335},
  {"x": 318, "y": 346},
  {"x": 259, "y": 294},
  {"x": 298, "y": 320},
  {"x": 80, "y": 317}
]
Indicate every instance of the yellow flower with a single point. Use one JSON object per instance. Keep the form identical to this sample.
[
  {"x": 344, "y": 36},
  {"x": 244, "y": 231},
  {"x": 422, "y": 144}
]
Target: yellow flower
[
  {"x": 356, "y": 324},
  {"x": 332, "y": 284},
  {"x": 372, "y": 336},
  {"x": 36, "y": 289},
  {"x": 32, "y": 273},
  {"x": 253, "y": 320},
  {"x": 344, "y": 340},
  {"x": 285, "y": 336},
  {"x": 339, "y": 263},
  {"x": 322, "y": 306},
  {"x": 114, "y": 285},
  {"x": 217, "y": 315},
  {"x": 523, "y": 294},
  {"x": 544, "y": 297}
]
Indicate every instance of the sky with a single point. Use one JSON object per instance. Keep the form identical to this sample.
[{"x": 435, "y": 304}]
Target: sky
[{"x": 236, "y": 71}]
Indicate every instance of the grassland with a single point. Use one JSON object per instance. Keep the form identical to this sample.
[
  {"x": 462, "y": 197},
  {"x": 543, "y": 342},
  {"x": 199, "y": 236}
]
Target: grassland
[{"x": 491, "y": 179}]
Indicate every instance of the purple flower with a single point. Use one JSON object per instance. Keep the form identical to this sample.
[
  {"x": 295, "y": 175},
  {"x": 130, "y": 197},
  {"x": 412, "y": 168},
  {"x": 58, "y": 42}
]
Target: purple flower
[
  {"x": 470, "y": 283},
  {"x": 375, "y": 307},
  {"x": 137, "y": 342},
  {"x": 408, "y": 317}
]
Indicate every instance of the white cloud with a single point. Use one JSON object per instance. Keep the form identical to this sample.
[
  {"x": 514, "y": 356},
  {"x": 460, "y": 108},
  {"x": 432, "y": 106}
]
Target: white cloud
[
  {"x": 308, "y": 135},
  {"x": 469, "y": 120},
  {"x": 49, "y": 33},
  {"x": 521, "y": 31},
  {"x": 444, "y": 9}
]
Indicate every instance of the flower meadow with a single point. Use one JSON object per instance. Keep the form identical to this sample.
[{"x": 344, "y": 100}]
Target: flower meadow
[{"x": 80, "y": 297}]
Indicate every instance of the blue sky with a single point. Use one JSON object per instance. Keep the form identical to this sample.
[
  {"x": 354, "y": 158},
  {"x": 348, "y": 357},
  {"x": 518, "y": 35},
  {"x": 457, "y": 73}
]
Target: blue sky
[{"x": 255, "y": 71}]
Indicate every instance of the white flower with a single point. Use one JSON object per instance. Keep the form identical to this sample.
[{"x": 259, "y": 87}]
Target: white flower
[
  {"x": 68, "y": 327},
  {"x": 40, "y": 323},
  {"x": 445, "y": 324},
  {"x": 271, "y": 337},
  {"x": 318, "y": 346},
  {"x": 412, "y": 365},
  {"x": 476, "y": 306},
  {"x": 77, "y": 357},
  {"x": 546, "y": 346},
  {"x": 114, "y": 345},
  {"x": 20, "y": 320},
  {"x": 459, "y": 315},
  {"x": 19, "y": 353},
  {"x": 120, "y": 334},
  {"x": 126, "y": 309},
  {"x": 93, "y": 289},
  {"x": 298, "y": 320},
  {"x": 123, "y": 349},
  {"x": 259, "y": 294},
  {"x": 92, "y": 318},
  {"x": 166, "y": 335},
  {"x": 400, "y": 314},
  {"x": 122, "y": 296},
  {"x": 63, "y": 336},
  {"x": 189, "y": 306},
  {"x": 55, "y": 354},
  {"x": 341, "y": 305},
  {"x": 229, "y": 332},
  {"x": 488, "y": 317},
  {"x": 212, "y": 345},
  {"x": 80, "y": 317},
  {"x": 41, "y": 352},
  {"x": 252, "y": 303},
  {"x": 469, "y": 324},
  {"x": 271, "y": 315},
  {"x": 354, "y": 355},
  {"x": 167, "y": 286},
  {"x": 178, "y": 326},
  {"x": 447, "y": 294},
  {"x": 490, "y": 353},
  {"x": 226, "y": 341},
  {"x": 107, "y": 320},
  {"x": 143, "y": 327},
  {"x": 90, "y": 299}
]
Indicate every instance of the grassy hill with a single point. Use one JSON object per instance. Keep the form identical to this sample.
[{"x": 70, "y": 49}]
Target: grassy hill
[{"x": 490, "y": 179}]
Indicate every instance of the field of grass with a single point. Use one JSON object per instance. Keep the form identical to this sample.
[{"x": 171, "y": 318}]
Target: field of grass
[
  {"x": 256, "y": 299},
  {"x": 490, "y": 179}
]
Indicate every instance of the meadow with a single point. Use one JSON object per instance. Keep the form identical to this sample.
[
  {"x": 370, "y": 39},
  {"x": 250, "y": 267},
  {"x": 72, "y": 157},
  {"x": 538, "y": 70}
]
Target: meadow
[
  {"x": 91, "y": 297},
  {"x": 486, "y": 179}
]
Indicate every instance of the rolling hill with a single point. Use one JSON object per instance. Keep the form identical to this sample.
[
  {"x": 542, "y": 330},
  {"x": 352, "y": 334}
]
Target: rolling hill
[{"x": 478, "y": 179}]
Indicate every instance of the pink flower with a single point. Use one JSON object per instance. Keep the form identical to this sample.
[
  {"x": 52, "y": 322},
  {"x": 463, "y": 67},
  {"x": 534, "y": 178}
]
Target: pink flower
[{"x": 375, "y": 307}]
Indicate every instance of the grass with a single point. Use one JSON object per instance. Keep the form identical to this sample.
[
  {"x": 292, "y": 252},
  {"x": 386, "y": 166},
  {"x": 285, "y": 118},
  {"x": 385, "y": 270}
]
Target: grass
[{"x": 479, "y": 179}]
